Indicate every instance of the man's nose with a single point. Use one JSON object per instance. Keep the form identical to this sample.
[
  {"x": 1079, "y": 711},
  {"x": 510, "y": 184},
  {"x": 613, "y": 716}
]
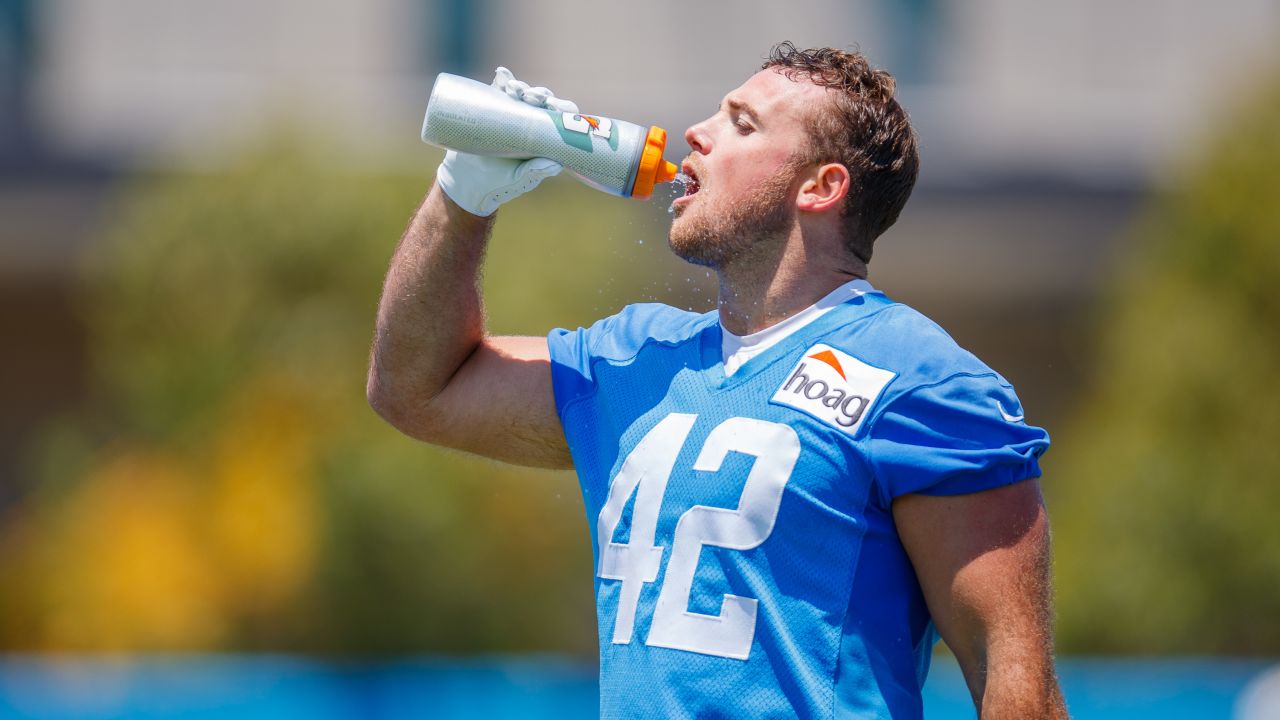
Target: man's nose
[{"x": 698, "y": 139}]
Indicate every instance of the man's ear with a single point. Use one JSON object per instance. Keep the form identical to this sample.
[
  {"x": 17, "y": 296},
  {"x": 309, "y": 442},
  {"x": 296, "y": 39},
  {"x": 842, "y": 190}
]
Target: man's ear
[{"x": 825, "y": 188}]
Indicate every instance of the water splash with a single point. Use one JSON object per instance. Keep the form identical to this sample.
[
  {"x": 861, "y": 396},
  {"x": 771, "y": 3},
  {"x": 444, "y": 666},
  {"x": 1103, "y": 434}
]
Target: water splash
[{"x": 678, "y": 186}]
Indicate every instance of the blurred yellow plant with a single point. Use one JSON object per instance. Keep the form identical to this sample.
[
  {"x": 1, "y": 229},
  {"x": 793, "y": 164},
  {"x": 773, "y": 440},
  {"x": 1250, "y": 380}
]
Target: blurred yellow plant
[
  {"x": 127, "y": 563},
  {"x": 262, "y": 512}
]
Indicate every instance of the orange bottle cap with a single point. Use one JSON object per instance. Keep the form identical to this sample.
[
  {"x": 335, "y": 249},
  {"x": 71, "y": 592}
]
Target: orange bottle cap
[{"x": 653, "y": 169}]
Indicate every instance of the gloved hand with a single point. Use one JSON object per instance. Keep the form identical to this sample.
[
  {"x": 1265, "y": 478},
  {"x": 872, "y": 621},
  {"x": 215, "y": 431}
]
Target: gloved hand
[{"x": 479, "y": 184}]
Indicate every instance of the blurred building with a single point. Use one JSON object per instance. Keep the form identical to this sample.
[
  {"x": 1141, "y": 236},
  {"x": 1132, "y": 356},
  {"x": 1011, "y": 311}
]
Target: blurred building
[
  {"x": 1090, "y": 92},
  {"x": 1042, "y": 126}
]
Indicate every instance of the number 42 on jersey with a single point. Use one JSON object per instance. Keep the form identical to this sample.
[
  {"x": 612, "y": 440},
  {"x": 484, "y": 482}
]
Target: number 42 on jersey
[{"x": 645, "y": 473}]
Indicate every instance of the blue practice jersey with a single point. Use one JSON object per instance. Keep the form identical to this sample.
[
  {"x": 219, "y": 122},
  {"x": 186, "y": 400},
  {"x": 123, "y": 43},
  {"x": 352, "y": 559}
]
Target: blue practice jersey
[{"x": 747, "y": 563}]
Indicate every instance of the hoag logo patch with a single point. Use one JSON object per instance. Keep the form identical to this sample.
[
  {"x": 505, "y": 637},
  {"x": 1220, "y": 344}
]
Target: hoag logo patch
[{"x": 833, "y": 386}]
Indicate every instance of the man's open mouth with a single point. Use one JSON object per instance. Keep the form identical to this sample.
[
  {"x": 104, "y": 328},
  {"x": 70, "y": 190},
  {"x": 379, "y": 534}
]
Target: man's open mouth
[{"x": 691, "y": 186}]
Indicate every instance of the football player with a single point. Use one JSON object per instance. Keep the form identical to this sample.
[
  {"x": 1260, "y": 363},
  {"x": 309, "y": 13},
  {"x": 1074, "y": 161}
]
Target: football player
[{"x": 791, "y": 496}]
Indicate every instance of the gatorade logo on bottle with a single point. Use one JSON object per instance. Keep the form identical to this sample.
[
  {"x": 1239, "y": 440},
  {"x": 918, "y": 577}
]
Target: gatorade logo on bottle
[
  {"x": 601, "y": 127},
  {"x": 578, "y": 130}
]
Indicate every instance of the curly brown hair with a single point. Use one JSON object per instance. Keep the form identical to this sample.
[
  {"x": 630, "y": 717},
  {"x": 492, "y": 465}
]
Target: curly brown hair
[{"x": 865, "y": 129}]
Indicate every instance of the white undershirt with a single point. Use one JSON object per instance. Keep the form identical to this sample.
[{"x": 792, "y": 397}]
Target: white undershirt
[{"x": 737, "y": 349}]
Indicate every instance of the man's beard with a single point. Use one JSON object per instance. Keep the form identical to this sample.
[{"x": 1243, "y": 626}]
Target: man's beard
[{"x": 714, "y": 236}]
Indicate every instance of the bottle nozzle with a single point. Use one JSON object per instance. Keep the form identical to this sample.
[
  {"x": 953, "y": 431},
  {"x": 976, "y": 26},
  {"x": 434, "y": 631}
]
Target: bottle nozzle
[
  {"x": 653, "y": 169},
  {"x": 666, "y": 172}
]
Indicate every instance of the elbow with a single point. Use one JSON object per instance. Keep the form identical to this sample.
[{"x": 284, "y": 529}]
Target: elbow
[
  {"x": 401, "y": 408},
  {"x": 379, "y": 397}
]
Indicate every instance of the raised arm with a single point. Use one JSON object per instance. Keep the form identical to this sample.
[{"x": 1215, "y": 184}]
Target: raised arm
[
  {"x": 983, "y": 563},
  {"x": 433, "y": 372}
]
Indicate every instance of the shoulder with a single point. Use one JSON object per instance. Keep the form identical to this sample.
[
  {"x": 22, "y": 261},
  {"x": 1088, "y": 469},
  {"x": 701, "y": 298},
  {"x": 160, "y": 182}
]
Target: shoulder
[
  {"x": 946, "y": 423},
  {"x": 615, "y": 340},
  {"x": 897, "y": 338},
  {"x": 620, "y": 337},
  {"x": 641, "y": 323}
]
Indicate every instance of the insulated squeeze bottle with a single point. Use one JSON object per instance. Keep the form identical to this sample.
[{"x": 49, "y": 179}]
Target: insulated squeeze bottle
[{"x": 615, "y": 156}]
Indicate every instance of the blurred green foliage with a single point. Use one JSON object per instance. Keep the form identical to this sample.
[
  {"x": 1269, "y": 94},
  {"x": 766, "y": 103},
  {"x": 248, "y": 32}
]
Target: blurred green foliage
[
  {"x": 227, "y": 486},
  {"x": 1165, "y": 493}
]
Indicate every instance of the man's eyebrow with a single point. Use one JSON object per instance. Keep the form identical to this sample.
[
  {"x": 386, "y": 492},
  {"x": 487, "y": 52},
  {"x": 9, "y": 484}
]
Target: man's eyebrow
[{"x": 742, "y": 107}]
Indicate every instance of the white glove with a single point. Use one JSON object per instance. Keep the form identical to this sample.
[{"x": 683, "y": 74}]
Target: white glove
[{"x": 479, "y": 184}]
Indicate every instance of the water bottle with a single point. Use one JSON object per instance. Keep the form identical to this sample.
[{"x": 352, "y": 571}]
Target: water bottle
[{"x": 615, "y": 156}]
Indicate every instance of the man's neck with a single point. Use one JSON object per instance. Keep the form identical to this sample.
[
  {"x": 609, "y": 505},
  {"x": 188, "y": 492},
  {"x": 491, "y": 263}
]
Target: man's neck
[{"x": 755, "y": 295}]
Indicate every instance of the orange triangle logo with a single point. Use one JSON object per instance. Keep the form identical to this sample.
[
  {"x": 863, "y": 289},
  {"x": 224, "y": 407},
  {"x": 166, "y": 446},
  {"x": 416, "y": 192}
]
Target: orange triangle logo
[{"x": 829, "y": 358}]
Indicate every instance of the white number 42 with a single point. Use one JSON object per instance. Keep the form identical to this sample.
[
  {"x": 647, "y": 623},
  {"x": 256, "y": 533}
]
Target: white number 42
[{"x": 645, "y": 473}]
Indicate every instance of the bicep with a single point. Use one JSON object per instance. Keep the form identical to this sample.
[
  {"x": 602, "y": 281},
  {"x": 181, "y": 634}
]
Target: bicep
[
  {"x": 500, "y": 404},
  {"x": 983, "y": 564}
]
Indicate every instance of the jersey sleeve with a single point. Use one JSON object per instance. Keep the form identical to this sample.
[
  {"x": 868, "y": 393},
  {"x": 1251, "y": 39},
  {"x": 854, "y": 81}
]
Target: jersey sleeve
[
  {"x": 572, "y": 352},
  {"x": 617, "y": 339},
  {"x": 591, "y": 399},
  {"x": 962, "y": 435}
]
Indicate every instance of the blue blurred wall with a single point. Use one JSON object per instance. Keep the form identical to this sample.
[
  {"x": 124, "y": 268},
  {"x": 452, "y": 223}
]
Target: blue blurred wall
[{"x": 246, "y": 688}]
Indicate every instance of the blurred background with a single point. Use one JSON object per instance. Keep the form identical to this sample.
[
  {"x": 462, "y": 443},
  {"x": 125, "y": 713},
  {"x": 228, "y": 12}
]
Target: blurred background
[{"x": 200, "y": 516}]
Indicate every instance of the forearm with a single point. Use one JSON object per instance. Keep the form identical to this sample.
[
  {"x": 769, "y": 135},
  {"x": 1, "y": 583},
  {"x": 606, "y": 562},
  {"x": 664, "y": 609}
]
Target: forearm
[
  {"x": 1021, "y": 686},
  {"x": 430, "y": 318},
  {"x": 983, "y": 564},
  {"x": 1016, "y": 676}
]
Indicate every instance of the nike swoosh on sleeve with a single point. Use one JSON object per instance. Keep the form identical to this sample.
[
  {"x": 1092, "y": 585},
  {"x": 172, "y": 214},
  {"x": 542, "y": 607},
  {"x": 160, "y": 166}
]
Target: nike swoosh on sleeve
[{"x": 1007, "y": 416}]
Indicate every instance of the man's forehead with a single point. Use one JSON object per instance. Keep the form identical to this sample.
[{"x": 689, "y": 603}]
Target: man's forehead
[{"x": 771, "y": 92}]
